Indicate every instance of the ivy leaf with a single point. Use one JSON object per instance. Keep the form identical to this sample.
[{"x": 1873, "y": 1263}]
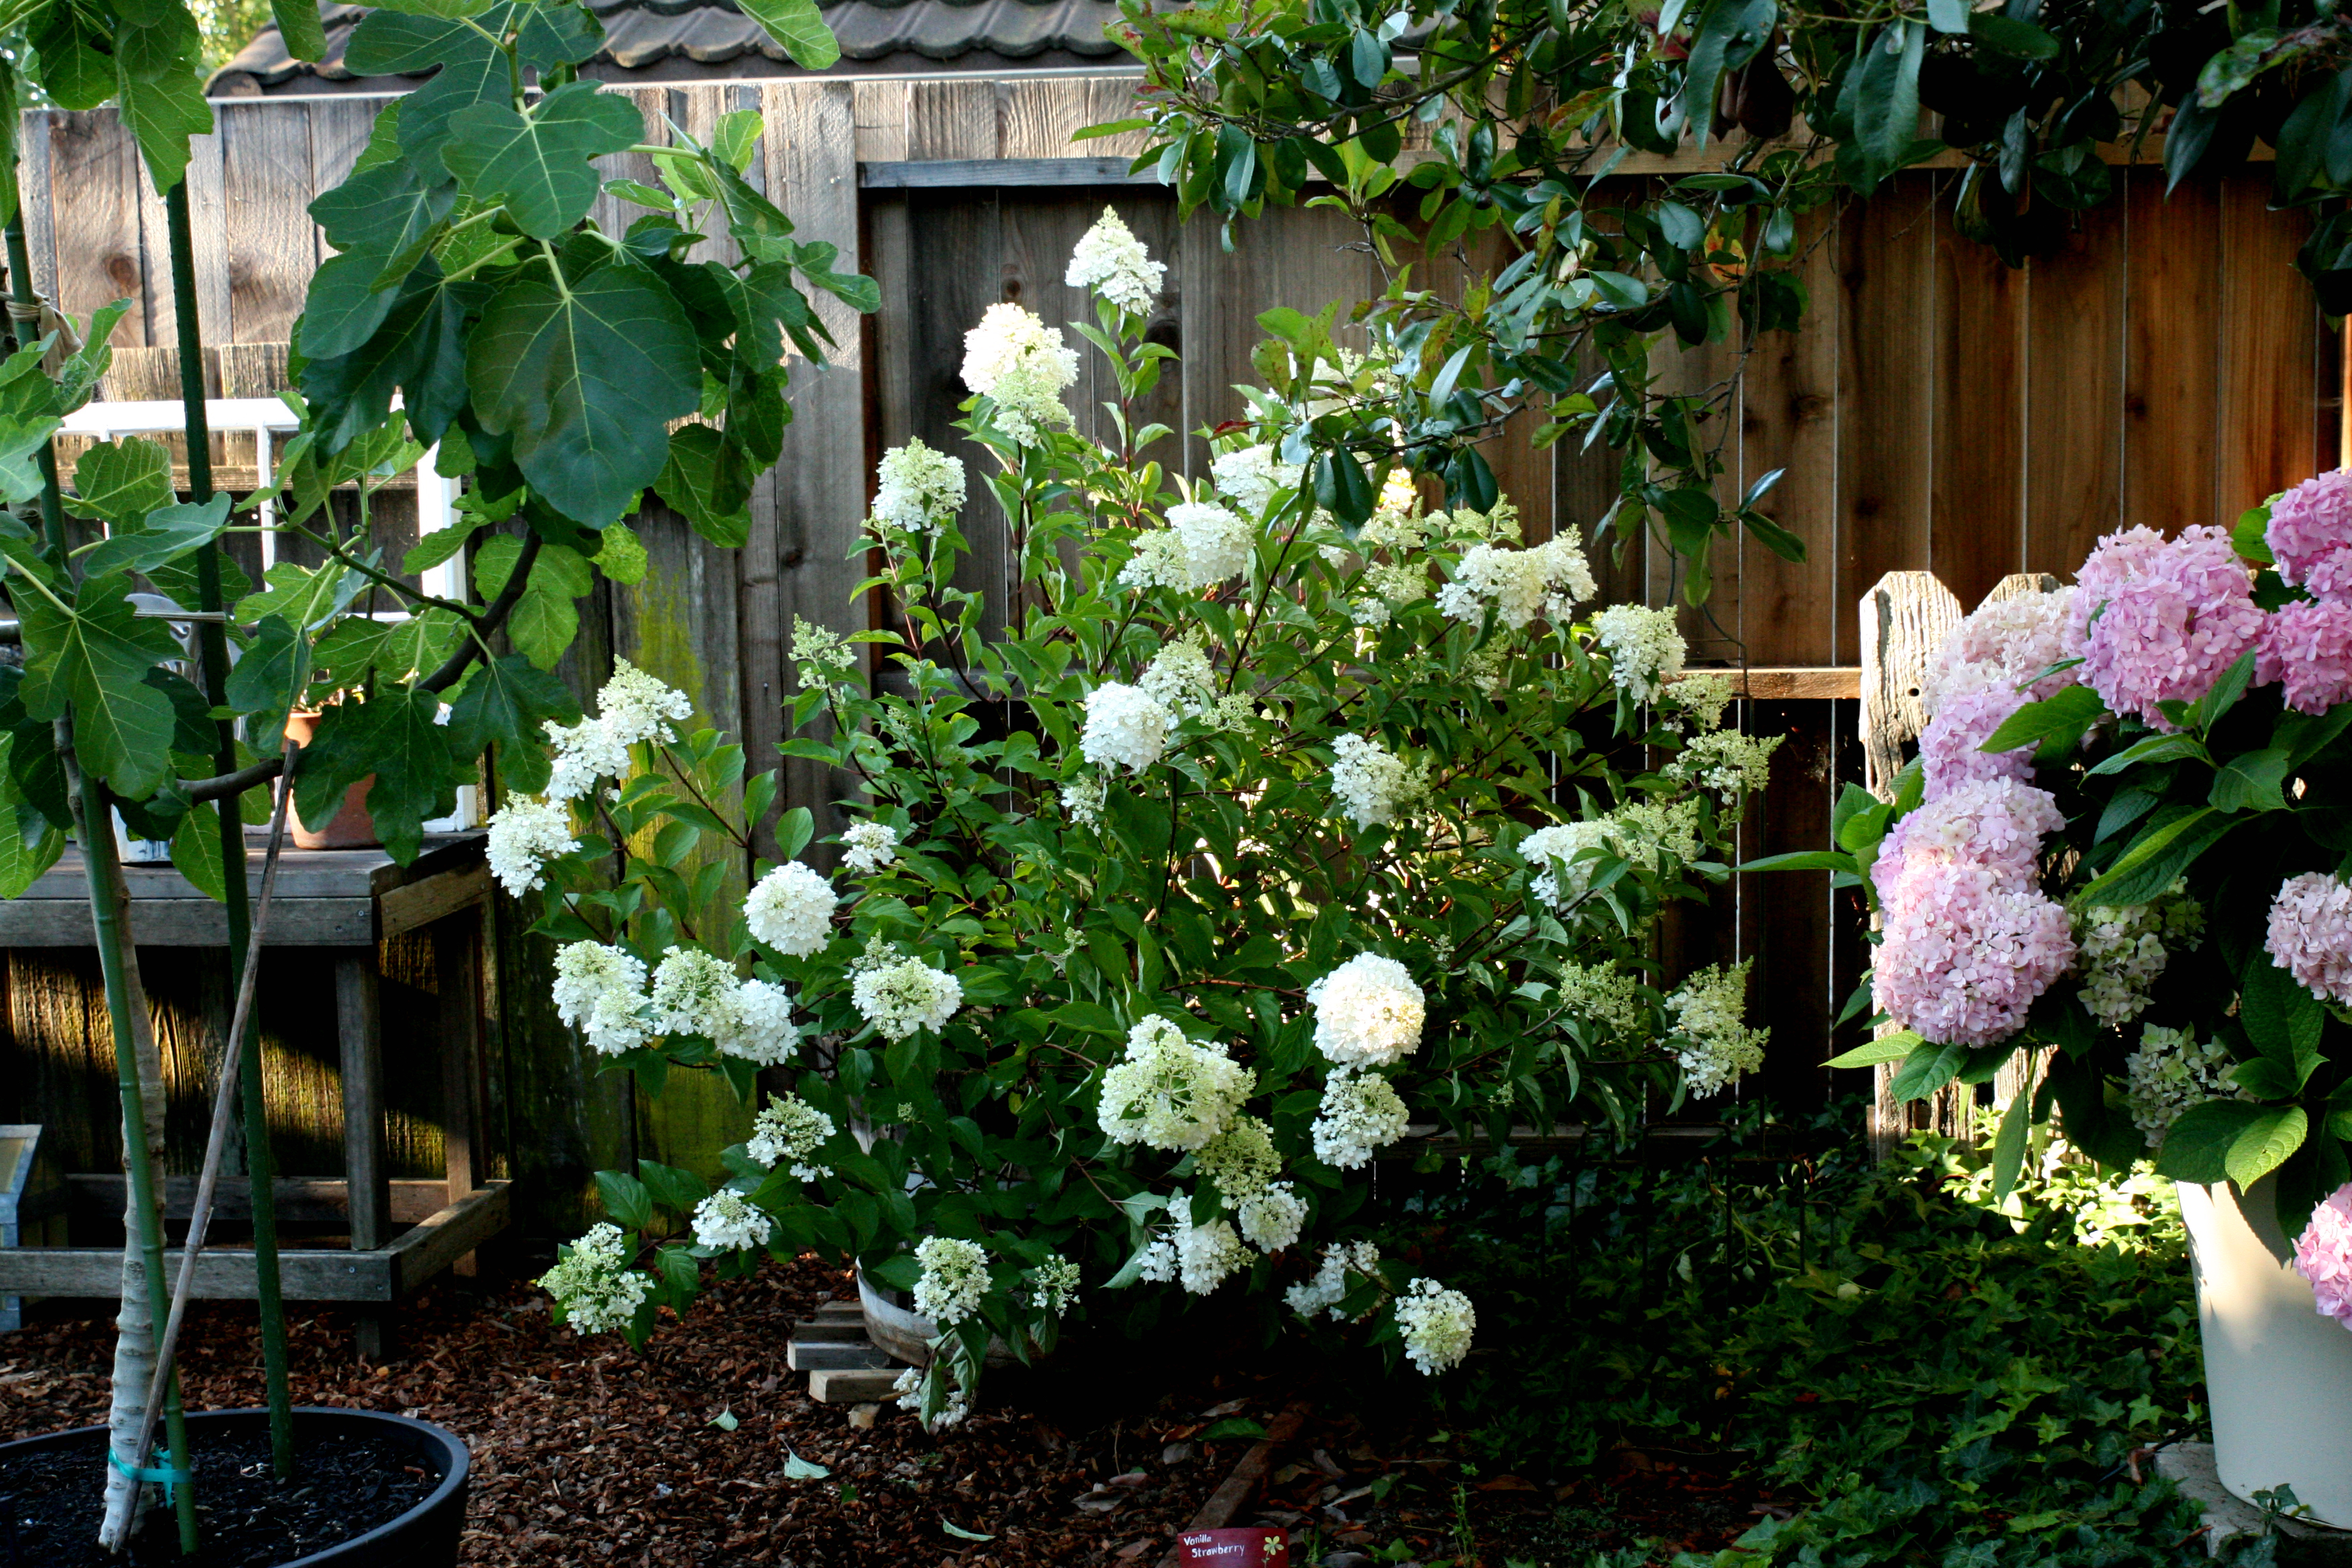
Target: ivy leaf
[
  {"x": 170, "y": 531},
  {"x": 392, "y": 736},
  {"x": 799, "y": 26},
  {"x": 95, "y": 655},
  {"x": 585, "y": 380},
  {"x": 538, "y": 165},
  {"x": 117, "y": 481}
]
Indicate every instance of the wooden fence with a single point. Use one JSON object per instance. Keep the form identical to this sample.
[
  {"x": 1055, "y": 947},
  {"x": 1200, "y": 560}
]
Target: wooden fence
[{"x": 1939, "y": 413}]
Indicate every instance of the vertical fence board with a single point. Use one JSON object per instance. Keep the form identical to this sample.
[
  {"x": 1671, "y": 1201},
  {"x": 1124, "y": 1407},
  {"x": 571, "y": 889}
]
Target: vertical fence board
[
  {"x": 273, "y": 247},
  {"x": 1885, "y": 418},
  {"x": 2173, "y": 347},
  {"x": 2268, "y": 322},
  {"x": 1789, "y": 421},
  {"x": 99, "y": 255},
  {"x": 953, "y": 119},
  {"x": 1977, "y": 533},
  {"x": 2074, "y": 390}
]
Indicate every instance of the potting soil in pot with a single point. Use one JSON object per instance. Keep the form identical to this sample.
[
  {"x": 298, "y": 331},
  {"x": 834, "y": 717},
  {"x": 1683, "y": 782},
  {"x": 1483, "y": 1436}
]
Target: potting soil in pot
[{"x": 343, "y": 1486}]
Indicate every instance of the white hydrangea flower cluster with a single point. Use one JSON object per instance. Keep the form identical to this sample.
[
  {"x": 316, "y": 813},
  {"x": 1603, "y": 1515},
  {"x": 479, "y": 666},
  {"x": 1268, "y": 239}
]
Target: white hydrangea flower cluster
[
  {"x": 954, "y": 1278},
  {"x": 1243, "y": 1163},
  {"x": 1053, "y": 1285},
  {"x": 910, "y": 1390},
  {"x": 593, "y": 1283},
  {"x": 823, "y": 657},
  {"x": 868, "y": 847},
  {"x": 790, "y": 909},
  {"x": 696, "y": 993},
  {"x": 584, "y": 752},
  {"x": 1368, "y": 1011},
  {"x": 1436, "y": 1324},
  {"x": 727, "y": 1221},
  {"x": 1020, "y": 363},
  {"x": 1372, "y": 784},
  {"x": 1562, "y": 878},
  {"x": 1112, "y": 262},
  {"x": 1699, "y": 700},
  {"x": 1549, "y": 580},
  {"x": 788, "y": 1131},
  {"x": 1329, "y": 1287},
  {"x": 1645, "y": 828},
  {"x": 1726, "y": 764},
  {"x": 1360, "y": 1112},
  {"x": 1171, "y": 1092},
  {"x": 1182, "y": 680},
  {"x": 525, "y": 834},
  {"x": 2120, "y": 951},
  {"x": 1712, "y": 1040},
  {"x": 1082, "y": 800},
  {"x": 917, "y": 488},
  {"x": 899, "y": 995},
  {"x": 2172, "y": 1071},
  {"x": 1272, "y": 1218},
  {"x": 600, "y": 990},
  {"x": 1202, "y": 1256},
  {"x": 1606, "y": 996},
  {"x": 1250, "y": 476},
  {"x": 1124, "y": 727},
  {"x": 1644, "y": 649},
  {"x": 633, "y": 707},
  {"x": 1203, "y": 544}
]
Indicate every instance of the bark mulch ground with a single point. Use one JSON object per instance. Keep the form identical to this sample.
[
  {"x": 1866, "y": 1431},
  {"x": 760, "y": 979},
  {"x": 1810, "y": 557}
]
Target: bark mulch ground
[{"x": 586, "y": 1452}]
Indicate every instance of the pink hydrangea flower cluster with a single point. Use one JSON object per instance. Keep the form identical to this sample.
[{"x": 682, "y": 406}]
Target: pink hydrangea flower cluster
[
  {"x": 2310, "y": 934},
  {"x": 2323, "y": 1254},
  {"x": 2161, "y": 620},
  {"x": 1970, "y": 938},
  {"x": 2004, "y": 644},
  {"x": 2310, "y": 535},
  {"x": 1950, "y": 752},
  {"x": 2308, "y": 646}
]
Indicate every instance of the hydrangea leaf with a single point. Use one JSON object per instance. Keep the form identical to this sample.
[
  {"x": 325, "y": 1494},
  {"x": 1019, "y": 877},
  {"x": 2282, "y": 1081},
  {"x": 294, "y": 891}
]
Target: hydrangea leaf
[
  {"x": 585, "y": 377},
  {"x": 540, "y": 164}
]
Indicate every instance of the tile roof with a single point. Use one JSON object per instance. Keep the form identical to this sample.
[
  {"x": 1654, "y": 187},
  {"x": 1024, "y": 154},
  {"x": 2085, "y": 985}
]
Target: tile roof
[{"x": 686, "y": 39}]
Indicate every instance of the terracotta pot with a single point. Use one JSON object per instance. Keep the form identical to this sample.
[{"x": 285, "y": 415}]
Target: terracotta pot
[
  {"x": 2278, "y": 1374},
  {"x": 351, "y": 828}
]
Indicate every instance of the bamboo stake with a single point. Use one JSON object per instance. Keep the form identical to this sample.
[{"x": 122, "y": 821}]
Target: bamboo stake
[
  {"x": 212, "y": 646},
  {"x": 224, "y": 1102}
]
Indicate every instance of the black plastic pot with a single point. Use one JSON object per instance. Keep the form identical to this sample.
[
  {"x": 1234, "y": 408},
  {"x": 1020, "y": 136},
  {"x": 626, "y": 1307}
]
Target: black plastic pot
[{"x": 424, "y": 1537}]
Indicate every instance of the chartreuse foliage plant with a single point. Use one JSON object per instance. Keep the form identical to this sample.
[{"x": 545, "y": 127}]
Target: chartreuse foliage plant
[
  {"x": 1522, "y": 107},
  {"x": 1250, "y": 841}
]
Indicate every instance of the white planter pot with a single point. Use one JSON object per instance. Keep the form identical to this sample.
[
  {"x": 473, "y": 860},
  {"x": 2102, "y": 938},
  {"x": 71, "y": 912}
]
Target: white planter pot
[
  {"x": 2278, "y": 1374},
  {"x": 905, "y": 1334}
]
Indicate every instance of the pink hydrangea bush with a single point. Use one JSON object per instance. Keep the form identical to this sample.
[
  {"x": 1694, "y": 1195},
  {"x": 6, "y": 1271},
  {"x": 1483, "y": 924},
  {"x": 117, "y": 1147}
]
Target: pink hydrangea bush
[
  {"x": 1950, "y": 751},
  {"x": 2323, "y": 1254},
  {"x": 2159, "y": 620},
  {"x": 2307, "y": 647},
  {"x": 2004, "y": 644},
  {"x": 2310, "y": 934},
  {"x": 2310, "y": 535}
]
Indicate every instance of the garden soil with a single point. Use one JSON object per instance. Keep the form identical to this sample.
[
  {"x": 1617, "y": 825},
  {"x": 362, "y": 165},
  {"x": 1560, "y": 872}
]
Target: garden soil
[{"x": 586, "y": 1452}]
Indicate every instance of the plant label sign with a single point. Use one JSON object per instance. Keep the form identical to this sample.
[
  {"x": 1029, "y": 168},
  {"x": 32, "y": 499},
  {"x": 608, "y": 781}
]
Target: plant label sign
[{"x": 1253, "y": 1548}]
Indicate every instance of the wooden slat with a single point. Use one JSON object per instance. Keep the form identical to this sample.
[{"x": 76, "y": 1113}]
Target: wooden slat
[
  {"x": 952, "y": 120},
  {"x": 306, "y": 1274},
  {"x": 1789, "y": 421},
  {"x": 302, "y": 1200},
  {"x": 2073, "y": 391},
  {"x": 981, "y": 173},
  {"x": 1977, "y": 494},
  {"x": 2173, "y": 348},
  {"x": 99, "y": 258},
  {"x": 881, "y": 118},
  {"x": 360, "y": 1042},
  {"x": 433, "y": 1244},
  {"x": 457, "y": 962},
  {"x": 188, "y": 922},
  {"x": 273, "y": 247},
  {"x": 39, "y": 199},
  {"x": 2262, "y": 435},
  {"x": 421, "y": 903},
  {"x": 1885, "y": 418}
]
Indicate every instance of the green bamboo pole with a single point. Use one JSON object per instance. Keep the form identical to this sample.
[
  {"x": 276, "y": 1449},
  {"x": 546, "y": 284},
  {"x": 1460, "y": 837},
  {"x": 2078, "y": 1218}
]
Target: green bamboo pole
[
  {"x": 212, "y": 642},
  {"x": 104, "y": 873}
]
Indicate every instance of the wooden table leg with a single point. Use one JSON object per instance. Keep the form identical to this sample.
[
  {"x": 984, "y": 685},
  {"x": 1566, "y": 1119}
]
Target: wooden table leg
[
  {"x": 359, "y": 1030},
  {"x": 456, "y": 962}
]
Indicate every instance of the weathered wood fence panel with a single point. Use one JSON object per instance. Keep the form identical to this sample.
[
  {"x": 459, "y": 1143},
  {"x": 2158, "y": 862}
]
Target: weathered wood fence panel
[{"x": 1939, "y": 412}]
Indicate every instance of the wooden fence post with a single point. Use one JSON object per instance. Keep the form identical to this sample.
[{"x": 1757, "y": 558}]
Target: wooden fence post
[{"x": 1906, "y": 617}]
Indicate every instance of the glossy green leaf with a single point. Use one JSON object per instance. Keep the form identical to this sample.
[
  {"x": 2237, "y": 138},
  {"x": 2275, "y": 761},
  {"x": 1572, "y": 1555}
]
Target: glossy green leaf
[
  {"x": 2263, "y": 1144},
  {"x": 538, "y": 164},
  {"x": 1889, "y": 1047},
  {"x": 119, "y": 482},
  {"x": 2196, "y": 1145},
  {"x": 169, "y": 532},
  {"x": 394, "y": 736},
  {"x": 95, "y": 655},
  {"x": 800, "y": 28},
  {"x": 2157, "y": 857}
]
